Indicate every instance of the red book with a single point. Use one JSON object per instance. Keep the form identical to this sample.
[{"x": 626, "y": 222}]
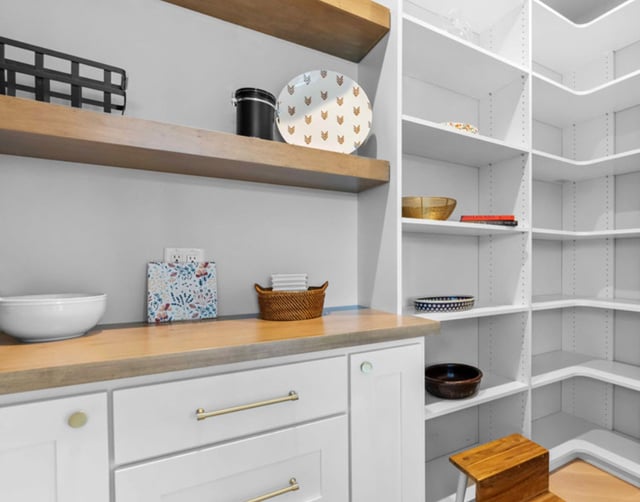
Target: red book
[{"x": 487, "y": 217}]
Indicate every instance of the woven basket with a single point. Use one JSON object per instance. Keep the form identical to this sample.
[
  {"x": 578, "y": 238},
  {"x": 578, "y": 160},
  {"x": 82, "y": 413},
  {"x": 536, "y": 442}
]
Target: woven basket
[{"x": 290, "y": 305}]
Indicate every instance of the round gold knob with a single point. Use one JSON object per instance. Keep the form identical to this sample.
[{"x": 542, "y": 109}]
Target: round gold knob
[{"x": 77, "y": 419}]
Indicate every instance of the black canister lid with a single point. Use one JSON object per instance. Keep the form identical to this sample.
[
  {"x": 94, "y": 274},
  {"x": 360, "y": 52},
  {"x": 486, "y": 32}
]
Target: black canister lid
[{"x": 252, "y": 92}]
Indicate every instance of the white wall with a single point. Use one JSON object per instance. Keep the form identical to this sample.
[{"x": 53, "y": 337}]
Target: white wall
[{"x": 74, "y": 227}]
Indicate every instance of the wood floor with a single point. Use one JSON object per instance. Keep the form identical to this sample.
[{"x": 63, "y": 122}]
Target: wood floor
[{"x": 579, "y": 481}]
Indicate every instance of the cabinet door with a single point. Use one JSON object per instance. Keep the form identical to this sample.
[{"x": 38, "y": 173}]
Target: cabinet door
[
  {"x": 387, "y": 425},
  {"x": 48, "y": 453},
  {"x": 311, "y": 457}
]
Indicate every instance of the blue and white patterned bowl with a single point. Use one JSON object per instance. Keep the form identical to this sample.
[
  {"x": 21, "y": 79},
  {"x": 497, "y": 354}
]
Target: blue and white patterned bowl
[{"x": 444, "y": 303}]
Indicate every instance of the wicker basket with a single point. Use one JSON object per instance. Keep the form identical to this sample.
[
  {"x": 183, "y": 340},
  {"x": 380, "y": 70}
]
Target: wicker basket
[{"x": 290, "y": 305}]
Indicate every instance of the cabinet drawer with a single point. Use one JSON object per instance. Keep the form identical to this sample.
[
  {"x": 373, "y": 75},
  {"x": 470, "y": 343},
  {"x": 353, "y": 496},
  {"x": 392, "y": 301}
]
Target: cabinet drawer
[
  {"x": 314, "y": 455},
  {"x": 162, "y": 418}
]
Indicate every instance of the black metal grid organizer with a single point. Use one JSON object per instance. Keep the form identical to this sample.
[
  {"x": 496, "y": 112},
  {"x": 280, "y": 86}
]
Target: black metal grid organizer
[{"x": 102, "y": 91}]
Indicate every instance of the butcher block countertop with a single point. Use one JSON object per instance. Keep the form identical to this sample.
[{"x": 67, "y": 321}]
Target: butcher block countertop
[{"x": 128, "y": 351}]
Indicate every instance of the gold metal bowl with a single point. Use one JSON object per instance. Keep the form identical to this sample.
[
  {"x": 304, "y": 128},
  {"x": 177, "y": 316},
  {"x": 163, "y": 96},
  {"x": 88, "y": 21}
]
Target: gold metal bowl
[{"x": 430, "y": 208}]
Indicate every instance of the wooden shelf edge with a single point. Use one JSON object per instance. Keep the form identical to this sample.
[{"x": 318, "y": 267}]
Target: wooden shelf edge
[
  {"x": 35, "y": 129},
  {"x": 347, "y": 29}
]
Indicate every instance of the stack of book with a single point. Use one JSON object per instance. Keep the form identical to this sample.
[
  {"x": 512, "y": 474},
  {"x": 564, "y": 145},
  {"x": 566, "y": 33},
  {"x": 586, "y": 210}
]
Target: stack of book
[{"x": 508, "y": 220}]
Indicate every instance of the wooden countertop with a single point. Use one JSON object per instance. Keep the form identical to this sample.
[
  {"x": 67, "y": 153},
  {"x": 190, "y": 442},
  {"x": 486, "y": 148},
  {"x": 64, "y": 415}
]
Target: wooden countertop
[{"x": 121, "y": 352}]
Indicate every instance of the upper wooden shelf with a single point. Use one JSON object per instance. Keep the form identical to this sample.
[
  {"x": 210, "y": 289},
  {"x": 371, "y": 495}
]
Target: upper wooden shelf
[
  {"x": 348, "y": 29},
  {"x": 35, "y": 129}
]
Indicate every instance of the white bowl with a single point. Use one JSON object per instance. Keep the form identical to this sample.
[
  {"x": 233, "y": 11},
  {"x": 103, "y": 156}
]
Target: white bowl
[{"x": 44, "y": 318}]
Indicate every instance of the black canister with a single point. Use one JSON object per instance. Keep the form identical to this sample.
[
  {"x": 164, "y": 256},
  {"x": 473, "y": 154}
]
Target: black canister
[{"x": 255, "y": 111}]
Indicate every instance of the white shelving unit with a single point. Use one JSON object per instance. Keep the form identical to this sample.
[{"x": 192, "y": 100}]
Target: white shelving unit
[
  {"x": 485, "y": 81},
  {"x": 585, "y": 224},
  {"x": 557, "y": 297}
]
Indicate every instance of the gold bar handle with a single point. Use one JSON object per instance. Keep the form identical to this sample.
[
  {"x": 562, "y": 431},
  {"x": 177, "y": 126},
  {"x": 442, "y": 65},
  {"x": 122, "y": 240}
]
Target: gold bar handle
[
  {"x": 201, "y": 414},
  {"x": 293, "y": 486}
]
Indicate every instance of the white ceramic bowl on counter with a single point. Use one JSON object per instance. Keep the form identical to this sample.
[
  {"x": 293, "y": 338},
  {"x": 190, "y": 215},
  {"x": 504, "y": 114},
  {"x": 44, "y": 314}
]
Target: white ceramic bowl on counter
[{"x": 44, "y": 318}]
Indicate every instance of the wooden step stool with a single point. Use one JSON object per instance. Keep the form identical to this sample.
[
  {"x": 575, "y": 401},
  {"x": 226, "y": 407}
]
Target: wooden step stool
[{"x": 510, "y": 469}]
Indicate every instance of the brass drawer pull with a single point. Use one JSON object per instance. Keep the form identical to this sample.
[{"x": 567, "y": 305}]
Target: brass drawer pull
[
  {"x": 293, "y": 486},
  {"x": 201, "y": 414}
]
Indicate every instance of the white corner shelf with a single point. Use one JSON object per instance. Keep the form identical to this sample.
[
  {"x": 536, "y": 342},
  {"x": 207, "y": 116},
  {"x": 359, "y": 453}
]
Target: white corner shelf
[
  {"x": 551, "y": 366},
  {"x": 550, "y": 302},
  {"x": 476, "y": 71},
  {"x": 553, "y": 430},
  {"x": 414, "y": 225},
  {"x": 563, "y": 45},
  {"x": 474, "y": 313},
  {"x": 549, "y": 234},
  {"x": 556, "y": 104},
  {"x": 558, "y": 366},
  {"x": 549, "y": 167},
  {"x": 618, "y": 453},
  {"x": 491, "y": 387},
  {"x": 435, "y": 141}
]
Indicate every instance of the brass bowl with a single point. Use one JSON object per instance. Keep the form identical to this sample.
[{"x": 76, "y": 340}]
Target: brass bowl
[
  {"x": 430, "y": 208},
  {"x": 452, "y": 380}
]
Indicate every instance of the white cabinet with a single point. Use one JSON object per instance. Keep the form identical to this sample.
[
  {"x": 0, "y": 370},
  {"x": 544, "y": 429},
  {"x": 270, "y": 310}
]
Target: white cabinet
[
  {"x": 55, "y": 450},
  {"x": 387, "y": 426},
  {"x": 305, "y": 463},
  {"x": 349, "y": 426}
]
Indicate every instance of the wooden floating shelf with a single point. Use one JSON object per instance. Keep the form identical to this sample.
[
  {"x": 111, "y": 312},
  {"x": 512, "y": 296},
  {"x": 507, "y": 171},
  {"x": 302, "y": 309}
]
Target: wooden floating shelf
[
  {"x": 348, "y": 29},
  {"x": 35, "y": 129}
]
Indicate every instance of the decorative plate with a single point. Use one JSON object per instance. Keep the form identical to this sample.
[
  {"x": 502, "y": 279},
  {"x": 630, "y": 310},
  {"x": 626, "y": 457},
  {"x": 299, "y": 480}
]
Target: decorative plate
[
  {"x": 444, "y": 303},
  {"x": 324, "y": 109},
  {"x": 462, "y": 127}
]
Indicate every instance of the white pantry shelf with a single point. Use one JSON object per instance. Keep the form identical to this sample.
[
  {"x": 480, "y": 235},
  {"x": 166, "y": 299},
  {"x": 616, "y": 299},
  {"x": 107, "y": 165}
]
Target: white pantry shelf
[
  {"x": 553, "y": 430},
  {"x": 549, "y": 234},
  {"x": 435, "y": 141},
  {"x": 551, "y": 364},
  {"x": 415, "y": 225},
  {"x": 619, "y": 454},
  {"x": 549, "y": 167},
  {"x": 428, "y": 54},
  {"x": 483, "y": 18},
  {"x": 550, "y": 302},
  {"x": 491, "y": 387},
  {"x": 562, "y": 45},
  {"x": 556, "y": 104},
  {"x": 474, "y": 313},
  {"x": 556, "y": 367}
]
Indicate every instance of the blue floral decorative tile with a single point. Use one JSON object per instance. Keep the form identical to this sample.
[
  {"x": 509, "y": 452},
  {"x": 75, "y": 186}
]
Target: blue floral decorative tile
[{"x": 181, "y": 291}]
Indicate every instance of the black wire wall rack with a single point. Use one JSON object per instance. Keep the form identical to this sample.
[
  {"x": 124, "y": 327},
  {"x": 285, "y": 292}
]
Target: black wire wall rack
[{"x": 43, "y": 77}]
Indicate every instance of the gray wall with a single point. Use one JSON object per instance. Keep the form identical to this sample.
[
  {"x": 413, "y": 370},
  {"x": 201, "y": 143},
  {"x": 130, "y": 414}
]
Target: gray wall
[{"x": 74, "y": 227}]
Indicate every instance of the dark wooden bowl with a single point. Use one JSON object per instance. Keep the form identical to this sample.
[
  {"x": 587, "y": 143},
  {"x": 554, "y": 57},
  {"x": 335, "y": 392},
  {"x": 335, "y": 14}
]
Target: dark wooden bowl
[{"x": 452, "y": 380}]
